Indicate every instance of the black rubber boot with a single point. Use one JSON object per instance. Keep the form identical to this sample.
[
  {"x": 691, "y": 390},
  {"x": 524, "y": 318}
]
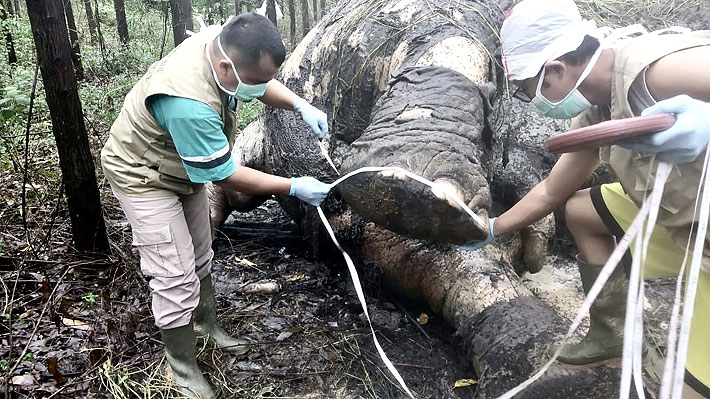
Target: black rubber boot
[
  {"x": 181, "y": 355},
  {"x": 605, "y": 338},
  {"x": 205, "y": 318}
]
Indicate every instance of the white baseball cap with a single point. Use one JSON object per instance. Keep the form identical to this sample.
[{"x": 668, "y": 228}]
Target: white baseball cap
[{"x": 537, "y": 31}]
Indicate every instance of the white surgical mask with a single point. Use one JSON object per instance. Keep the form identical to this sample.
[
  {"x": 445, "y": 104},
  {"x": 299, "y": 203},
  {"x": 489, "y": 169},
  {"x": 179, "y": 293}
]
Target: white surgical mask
[
  {"x": 573, "y": 104},
  {"x": 244, "y": 91}
]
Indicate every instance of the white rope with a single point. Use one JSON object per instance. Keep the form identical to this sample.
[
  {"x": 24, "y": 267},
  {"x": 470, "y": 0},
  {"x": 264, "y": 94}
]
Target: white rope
[
  {"x": 633, "y": 325},
  {"x": 606, "y": 271},
  {"x": 349, "y": 262},
  {"x": 692, "y": 283},
  {"x": 672, "y": 340},
  {"x": 633, "y": 339}
]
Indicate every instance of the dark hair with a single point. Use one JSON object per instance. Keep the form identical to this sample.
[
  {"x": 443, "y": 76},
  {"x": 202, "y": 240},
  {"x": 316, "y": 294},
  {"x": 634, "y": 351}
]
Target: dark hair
[
  {"x": 582, "y": 53},
  {"x": 249, "y": 36}
]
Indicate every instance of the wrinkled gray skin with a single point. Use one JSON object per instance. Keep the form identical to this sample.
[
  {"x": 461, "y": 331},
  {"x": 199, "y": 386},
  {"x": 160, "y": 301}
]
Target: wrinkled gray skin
[{"x": 411, "y": 84}]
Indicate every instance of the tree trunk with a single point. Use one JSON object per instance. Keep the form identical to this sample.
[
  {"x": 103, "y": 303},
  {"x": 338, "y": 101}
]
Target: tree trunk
[
  {"x": 9, "y": 42},
  {"x": 271, "y": 11},
  {"x": 305, "y": 17},
  {"x": 237, "y": 7},
  {"x": 121, "y": 22},
  {"x": 54, "y": 54},
  {"x": 292, "y": 23},
  {"x": 182, "y": 19},
  {"x": 17, "y": 10},
  {"x": 97, "y": 19},
  {"x": 322, "y": 8},
  {"x": 9, "y": 7},
  {"x": 221, "y": 12},
  {"x": 315, "y": 12},
  {"x": 74, "y": 37},
  {"x": 403, "y": 102},
  {"x": 164, "y": 12},
  {"x": 209, "y": 9},
  {"x": 91, "y": 19}
]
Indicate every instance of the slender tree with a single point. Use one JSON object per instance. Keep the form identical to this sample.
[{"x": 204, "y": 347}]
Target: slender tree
[
  {"x": 209, "y": 9},
  {"x": 9, "y": 7},
  {"x": 220, "y": 10},
  {"x": 91, "y": 20},
  {"x": 74, "y": 40},
  {"x": 315, "y": 12},
  {"x": 271, "y": 11},
  {"x": 237, "y": 7},
  {"x": 9, "y": 42},
  {"x": 322, "y": 8},
  {"x": 182, "y": 19},
  {"x": 121, "y": 22},
  {"x": 54, "y": 55},
  {"x": 292, "y": 21},
  {"x": 16, "y": 8},
  {"x": 165, "y": 12},
  {"x": 97, "y": 19},
  {"x": 304, "y": 17}
]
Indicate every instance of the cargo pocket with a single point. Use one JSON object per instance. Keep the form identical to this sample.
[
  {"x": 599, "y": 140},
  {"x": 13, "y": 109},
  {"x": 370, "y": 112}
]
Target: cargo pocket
[{"x": 159, "y": 255}]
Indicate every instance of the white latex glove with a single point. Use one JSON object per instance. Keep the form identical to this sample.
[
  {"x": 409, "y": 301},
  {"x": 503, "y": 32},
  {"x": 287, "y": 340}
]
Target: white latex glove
[
  {"x": 309, "y": 190},
  {"x": 480, "y": 244},
  {"x": 316, "y": 119}
]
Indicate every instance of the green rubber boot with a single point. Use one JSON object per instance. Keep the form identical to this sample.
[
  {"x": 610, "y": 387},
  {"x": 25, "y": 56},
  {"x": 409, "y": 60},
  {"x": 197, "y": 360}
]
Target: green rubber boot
[
  {"x": 181, "y": 355},
  {"x": 205, "y": 318},
  {"x": 605, "y": 338}
]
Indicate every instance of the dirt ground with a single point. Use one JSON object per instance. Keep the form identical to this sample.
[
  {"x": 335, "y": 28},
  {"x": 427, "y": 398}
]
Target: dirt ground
[{"x": 96, "y": 339}]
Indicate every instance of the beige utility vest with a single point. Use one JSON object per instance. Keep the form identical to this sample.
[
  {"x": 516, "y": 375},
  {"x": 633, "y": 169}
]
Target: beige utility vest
[
  {"x": 631, "y": 57},
  {"x": 139, "y": 157}
]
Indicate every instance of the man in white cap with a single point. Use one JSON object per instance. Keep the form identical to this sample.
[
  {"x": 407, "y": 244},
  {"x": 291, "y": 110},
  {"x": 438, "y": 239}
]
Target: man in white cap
[
  {"x": 553, "y": 61},
  {"x": 174, "y": 133}
]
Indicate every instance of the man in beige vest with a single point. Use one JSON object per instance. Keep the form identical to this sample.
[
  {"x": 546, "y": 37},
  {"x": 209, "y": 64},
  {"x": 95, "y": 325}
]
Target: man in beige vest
[
  {"x": 554, "y": 62},
  {"x": 174, "y": 133}
]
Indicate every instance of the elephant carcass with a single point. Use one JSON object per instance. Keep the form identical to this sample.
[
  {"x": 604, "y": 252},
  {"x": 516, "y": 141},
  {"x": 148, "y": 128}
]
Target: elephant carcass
[{"x": 408, "y": 83}]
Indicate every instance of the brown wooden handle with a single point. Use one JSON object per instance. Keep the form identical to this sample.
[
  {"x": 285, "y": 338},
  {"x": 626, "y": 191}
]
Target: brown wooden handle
[{"x": 608, "y": 132}]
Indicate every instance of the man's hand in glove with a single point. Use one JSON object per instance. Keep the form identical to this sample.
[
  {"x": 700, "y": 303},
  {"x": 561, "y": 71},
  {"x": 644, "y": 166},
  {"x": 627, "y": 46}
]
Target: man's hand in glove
[{"x": 682, "y": 142}]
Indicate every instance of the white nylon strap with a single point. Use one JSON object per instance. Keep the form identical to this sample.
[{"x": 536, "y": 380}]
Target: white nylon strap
[
  {"x": 349, "y": 262},
  {"x": 606, "y": 271},
  {"x": 691, "y": 285},
  {"x": 633, "y": 326},
  {"x": 672, "y": 340}
]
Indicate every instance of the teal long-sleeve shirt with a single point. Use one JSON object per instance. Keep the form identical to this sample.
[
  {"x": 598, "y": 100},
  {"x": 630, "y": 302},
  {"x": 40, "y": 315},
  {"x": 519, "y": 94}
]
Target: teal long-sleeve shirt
[{"x": 196, "y": 130}]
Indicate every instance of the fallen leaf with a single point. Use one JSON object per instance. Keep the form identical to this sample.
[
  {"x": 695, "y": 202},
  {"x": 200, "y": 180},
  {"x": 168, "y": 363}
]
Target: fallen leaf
[
  {"x": 261, "y": 287},
  {"x": 465, "y": 382},
  {"x": 245, "y": 261},
  {"x": 284, "y": 335},
  {"x": 78, "y": 324},
  {"x": 389, "y": 305},
  {"x": 46, "y": 289},
  {"x": 53, "y": 368},
  {"x": 26, "y": 379},
  {"x": 423, "y": 318},
  {"x": 295, "y": 277}
]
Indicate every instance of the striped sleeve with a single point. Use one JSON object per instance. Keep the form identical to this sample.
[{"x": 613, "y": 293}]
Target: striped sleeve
[{"x": 196, "y": 130}]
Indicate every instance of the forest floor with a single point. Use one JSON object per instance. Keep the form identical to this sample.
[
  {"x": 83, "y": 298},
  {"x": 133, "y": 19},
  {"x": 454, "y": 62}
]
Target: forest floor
[{"x": 82, "y": 328}]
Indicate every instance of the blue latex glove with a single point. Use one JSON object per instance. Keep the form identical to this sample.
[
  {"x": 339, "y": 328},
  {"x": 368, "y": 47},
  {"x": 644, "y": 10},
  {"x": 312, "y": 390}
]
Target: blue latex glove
[
  {"x": 480, "y": 244},
  {"x": 316, "y": 119},
  {"x": 309, "y": 190},
  {"x": 682, "y": 142}
]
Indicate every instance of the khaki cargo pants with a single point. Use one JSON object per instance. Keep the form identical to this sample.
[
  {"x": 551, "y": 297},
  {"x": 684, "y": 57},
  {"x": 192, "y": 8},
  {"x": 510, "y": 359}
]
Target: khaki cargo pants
[{"x": 172, "y": 235}]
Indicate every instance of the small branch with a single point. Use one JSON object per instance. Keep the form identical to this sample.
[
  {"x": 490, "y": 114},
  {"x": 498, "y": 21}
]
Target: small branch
[{"x": 27, "y": 154}]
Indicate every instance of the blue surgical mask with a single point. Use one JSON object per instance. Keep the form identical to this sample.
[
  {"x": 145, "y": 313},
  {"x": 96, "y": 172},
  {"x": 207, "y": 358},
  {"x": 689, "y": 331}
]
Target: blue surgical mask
[
  {"x": 244, "y": 92},
  {"x": 573, "y": 104}
]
